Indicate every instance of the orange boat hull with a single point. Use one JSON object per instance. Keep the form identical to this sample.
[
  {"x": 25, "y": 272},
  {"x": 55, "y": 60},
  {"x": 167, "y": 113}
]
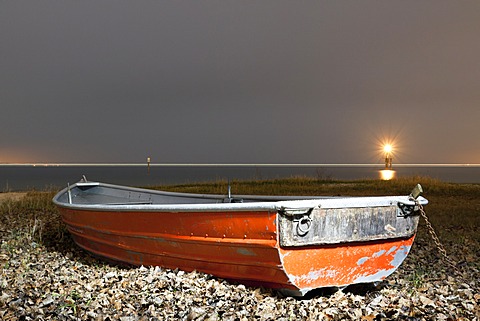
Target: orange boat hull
[{"x": 241, "y": 246}]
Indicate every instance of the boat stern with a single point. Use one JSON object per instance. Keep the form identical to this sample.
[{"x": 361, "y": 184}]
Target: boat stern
[{"x": 346, "y": 241}]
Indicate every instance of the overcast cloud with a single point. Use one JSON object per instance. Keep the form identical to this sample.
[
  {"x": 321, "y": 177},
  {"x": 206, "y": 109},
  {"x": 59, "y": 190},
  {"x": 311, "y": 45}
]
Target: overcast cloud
[{"x": 239, "y": 81}]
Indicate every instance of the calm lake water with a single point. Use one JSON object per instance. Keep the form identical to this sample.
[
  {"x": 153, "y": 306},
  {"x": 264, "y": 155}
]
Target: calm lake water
[{"x": 16, "y": 178}]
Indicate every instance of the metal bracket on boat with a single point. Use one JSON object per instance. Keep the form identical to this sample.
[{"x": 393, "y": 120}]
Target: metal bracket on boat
[
  {"x": 301, "y": 219},
  {"x": 406, "y": 209},
  {"x": 410, "y": 209},
  {"x": 229, "y": 198},
  {"x": 416, "y": 192}
]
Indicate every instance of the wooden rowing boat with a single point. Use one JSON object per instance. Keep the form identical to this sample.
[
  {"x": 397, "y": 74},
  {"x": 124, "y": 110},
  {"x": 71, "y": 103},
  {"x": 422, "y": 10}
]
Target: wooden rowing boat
[{"x": 293, "y": 244}]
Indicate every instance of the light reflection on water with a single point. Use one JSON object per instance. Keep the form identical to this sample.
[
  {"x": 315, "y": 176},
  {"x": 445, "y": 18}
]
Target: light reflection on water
[{"x": 387, "y": 174}]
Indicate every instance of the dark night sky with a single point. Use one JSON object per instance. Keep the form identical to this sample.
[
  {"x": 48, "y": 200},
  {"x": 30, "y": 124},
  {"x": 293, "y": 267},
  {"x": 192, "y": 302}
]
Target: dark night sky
[{"x": 239, "y": 81}]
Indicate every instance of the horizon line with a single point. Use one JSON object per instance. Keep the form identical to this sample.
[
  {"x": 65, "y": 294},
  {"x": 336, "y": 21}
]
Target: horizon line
[{"x": 238, "y": 165}]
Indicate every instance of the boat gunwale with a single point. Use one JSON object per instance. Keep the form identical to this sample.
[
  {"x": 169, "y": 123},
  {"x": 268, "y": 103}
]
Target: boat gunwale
[{"x": 275, "y": 203}]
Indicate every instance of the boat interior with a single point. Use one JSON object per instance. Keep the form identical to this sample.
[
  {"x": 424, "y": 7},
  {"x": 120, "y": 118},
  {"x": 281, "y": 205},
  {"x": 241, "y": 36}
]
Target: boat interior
[{"x": 106, "y": 194}]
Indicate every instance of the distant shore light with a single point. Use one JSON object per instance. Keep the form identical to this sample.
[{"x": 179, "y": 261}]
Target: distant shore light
[{"x": 388, "y": 148}]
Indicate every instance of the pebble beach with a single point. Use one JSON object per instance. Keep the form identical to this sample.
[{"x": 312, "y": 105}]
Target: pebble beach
[{"x": 45, "y": 276}]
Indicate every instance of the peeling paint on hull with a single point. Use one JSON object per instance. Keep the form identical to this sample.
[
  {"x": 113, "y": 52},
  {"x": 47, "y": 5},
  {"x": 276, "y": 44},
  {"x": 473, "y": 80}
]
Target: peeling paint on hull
[{"x": 339, "y": 266}]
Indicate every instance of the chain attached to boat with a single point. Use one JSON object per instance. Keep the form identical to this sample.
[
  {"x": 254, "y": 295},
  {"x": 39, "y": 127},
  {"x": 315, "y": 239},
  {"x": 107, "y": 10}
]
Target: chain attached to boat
[{"x": 435, "y": 238}]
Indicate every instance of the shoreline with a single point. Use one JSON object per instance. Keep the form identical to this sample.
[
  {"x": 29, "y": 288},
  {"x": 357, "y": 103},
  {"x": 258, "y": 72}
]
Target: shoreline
[{"x": 49, "y": 177}]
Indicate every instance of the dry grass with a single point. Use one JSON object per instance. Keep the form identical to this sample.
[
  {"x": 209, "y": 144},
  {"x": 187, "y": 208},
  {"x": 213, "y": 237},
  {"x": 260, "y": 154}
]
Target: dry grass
[
  {"x": 312, "y": 186},
  {"x": 12, "y": 196},
  {"x": 31, "y": 215}
]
